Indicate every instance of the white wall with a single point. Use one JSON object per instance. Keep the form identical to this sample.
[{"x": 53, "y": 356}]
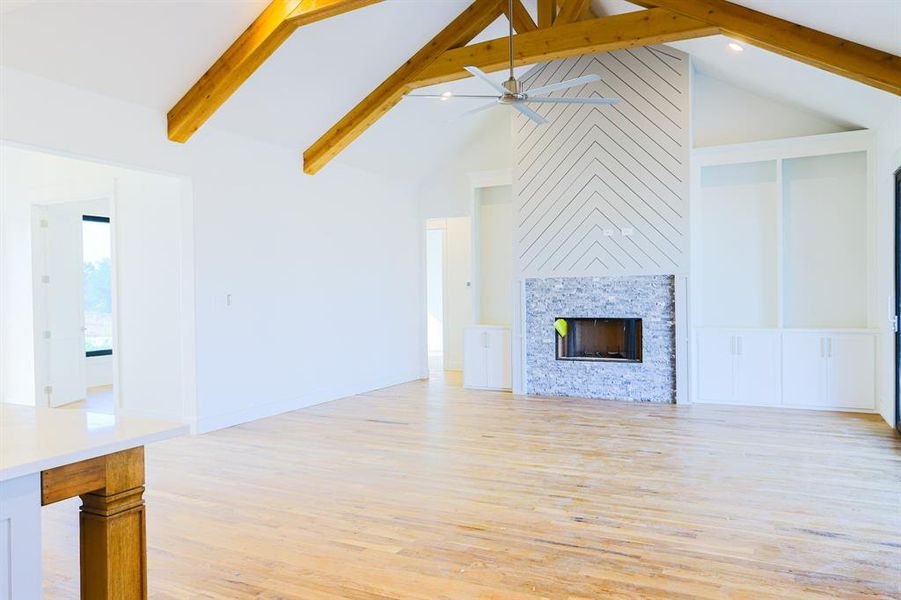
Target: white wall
[
  {"x": 153, "y": 309},
  {"x": 495, "y": 255},
  {"x": 323, "y": 272},
  {"x": 99, "y": 371},
  {"x": 888, "y": 160},
  {"x": 726, "y": 114},
  {"x": 447, "y": 192}
]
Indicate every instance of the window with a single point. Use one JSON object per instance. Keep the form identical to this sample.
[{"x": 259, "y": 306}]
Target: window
[{"x": 98, "y": 298}]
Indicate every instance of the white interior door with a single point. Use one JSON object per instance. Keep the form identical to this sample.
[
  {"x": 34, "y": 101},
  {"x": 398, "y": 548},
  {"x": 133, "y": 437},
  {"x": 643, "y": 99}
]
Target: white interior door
[
  {"x": 61, "y": 279},
  {"x": 458, "y": 305},
  {"x": 852, "y": 371}
]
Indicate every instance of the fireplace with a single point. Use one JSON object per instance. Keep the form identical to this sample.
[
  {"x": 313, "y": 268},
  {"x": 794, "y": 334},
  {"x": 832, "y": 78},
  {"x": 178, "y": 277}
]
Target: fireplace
[
  {"x": 643, "y": 372},
  {"x": 599, "y": 339}
]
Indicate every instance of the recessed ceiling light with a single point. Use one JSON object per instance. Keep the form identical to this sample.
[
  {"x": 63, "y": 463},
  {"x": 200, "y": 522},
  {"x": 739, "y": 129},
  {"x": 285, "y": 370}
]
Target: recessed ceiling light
[
  {"x": 735, "y": 47},
  {"x": 446, "y": 95}
]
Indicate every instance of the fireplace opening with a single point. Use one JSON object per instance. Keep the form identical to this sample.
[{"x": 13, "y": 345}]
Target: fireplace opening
[{"x": 602, "y": 339}]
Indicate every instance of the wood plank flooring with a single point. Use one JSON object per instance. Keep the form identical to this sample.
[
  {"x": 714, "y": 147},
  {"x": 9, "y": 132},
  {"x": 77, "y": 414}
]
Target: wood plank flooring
[{"x": 429, "y": 491}]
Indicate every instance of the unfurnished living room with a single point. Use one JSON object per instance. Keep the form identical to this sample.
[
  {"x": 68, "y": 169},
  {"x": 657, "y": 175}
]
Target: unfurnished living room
[{"x": 450, "y": 299}]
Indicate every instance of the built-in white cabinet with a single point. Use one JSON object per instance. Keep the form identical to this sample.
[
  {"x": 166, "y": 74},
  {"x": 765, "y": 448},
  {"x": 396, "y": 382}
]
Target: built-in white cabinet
[
  {"x": 487, "y": 358},
  {"x": 738, "y": 367},
  {"x": 829, "y": 370},
  {"x": 782, "y": 284},
  {"x": 803, "y": 369}
]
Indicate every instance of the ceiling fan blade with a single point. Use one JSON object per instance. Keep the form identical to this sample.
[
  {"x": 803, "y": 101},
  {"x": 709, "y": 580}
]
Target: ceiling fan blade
[
  {"x": 565, "y": 85},
  {"x": 561, "y": 100},
  {"x": 529, "y": 112},
  {"x": 479, "y": 73},
  {"x": 476, "y": 110},
  {"x": 451, "y": 96}
]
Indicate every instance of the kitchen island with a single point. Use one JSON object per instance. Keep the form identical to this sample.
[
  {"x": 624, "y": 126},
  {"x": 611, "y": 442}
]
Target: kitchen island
[{"x": 49, "y": 455}]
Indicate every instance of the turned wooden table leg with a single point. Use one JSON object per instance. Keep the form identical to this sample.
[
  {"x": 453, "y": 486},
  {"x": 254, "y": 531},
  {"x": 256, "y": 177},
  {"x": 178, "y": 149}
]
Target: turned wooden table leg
[{"x": 112, "y": 520}]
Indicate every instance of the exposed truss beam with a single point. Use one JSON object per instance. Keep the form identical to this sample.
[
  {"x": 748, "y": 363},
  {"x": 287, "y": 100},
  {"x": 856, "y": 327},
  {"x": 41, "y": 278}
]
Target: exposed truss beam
[
  {"x": 547, "y": 12},
  {"x": 843, "y": 57},
  {"x": 461, "y": 30},
  {"x": 572, "y": 11},
  {"x": 522, "y": 20},
  {"x": 274, "y": 25},
  {"x": 629, "y": 30}
]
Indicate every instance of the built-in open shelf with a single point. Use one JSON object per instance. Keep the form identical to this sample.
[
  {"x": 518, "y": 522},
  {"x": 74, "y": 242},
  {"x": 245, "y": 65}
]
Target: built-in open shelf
[{"x": 785, "y": 241}]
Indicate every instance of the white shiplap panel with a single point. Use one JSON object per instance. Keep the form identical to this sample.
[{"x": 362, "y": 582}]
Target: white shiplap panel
[{"x": 596, "y": 169}]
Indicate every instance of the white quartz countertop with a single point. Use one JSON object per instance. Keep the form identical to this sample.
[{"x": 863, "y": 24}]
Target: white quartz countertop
[{"x": 35, "y": 439}]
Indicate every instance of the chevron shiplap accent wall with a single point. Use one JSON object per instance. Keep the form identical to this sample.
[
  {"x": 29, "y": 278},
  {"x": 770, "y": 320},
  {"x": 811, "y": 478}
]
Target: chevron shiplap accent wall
[{"x": 603, "y": 190}]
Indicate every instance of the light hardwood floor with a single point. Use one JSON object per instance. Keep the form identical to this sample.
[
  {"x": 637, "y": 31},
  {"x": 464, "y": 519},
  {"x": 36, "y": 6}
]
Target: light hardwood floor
[{"x": 429, "y": 491}]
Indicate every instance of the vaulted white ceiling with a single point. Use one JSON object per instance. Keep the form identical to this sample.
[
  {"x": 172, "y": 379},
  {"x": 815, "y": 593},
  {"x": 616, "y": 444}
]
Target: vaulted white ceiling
[{"x": 150, "y": 52}]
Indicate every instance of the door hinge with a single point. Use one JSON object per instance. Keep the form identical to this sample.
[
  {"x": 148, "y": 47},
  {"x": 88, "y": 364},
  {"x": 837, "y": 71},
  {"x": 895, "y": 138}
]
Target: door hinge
[{"x": 48, "y": 389}]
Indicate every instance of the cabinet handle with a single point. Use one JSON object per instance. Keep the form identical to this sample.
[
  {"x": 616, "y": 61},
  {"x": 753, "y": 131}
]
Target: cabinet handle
[
  {"x": 732, "y": 345},
  {"x": 739, "y": 345},
  {"x": 829, "y": 347},
  {"x": 822, "y": 347},
  {"x": 484, "y": 339}
]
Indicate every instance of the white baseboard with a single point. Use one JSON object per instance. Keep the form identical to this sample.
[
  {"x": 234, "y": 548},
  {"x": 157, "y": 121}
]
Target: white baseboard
[{"x": 270, "y": 409}]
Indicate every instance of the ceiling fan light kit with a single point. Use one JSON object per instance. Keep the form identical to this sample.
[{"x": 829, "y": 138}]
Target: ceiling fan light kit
[{"x": 511, "y": 94}]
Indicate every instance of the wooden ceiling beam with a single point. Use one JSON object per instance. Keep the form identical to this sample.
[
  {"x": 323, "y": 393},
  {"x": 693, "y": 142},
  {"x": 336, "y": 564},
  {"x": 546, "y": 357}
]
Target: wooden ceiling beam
[
  {"x": 274, "y": 25},
  {"x": 461, "y": 30},
  {"x": 572, "y": 11},
  {"x": 547, "y": 12},
  {"x": 522, "y": 20},
  {"x": 834, "y": 54},
  {"x": 604, "y": 34}
]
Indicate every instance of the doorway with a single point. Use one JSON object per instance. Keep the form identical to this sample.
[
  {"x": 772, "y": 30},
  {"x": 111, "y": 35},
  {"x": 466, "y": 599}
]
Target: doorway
[
  {"x": 897, "y": 299},
  {"x": 434, "y": 241},
  {"x": 449, "y": 302},
  {"x": 96, "y": 286},
  {"x": 72, "y": 268}
]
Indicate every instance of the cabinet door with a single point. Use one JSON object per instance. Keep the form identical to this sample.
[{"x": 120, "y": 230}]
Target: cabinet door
[
  {"x": 804, "y": 369},
  {"x": 852, "y": 371},
  {"x": 497, "y": 363},
  {"x": 474, "y": 343},
  {"x": 758, "y": 368},
  {"x": 715, "y": 366}
]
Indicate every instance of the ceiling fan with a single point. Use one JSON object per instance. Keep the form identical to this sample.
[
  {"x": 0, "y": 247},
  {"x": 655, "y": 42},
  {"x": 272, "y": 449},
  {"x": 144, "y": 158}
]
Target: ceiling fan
[{"x": 512, "y": 94}]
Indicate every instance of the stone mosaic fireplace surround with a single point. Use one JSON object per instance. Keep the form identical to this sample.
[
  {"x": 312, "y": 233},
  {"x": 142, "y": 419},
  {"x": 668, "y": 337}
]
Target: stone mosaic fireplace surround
[{"x": 649, "y": 297}]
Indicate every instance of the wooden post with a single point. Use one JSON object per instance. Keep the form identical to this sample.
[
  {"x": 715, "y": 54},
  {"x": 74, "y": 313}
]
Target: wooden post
[
  {"x": 113, "y": 540},
  {"x": 113, "y": 546}
]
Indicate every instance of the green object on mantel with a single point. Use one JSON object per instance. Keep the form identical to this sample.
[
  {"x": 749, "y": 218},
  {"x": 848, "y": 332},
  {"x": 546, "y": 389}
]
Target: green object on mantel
[{"x": 561, "y": 326}]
